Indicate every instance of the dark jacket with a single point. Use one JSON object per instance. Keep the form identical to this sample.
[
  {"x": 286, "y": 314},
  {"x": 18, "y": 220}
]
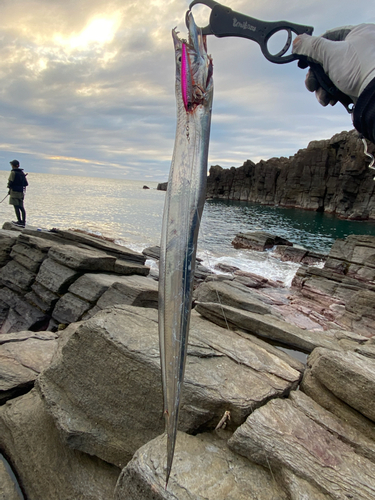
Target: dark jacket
[{"x": 17, "y": 180}]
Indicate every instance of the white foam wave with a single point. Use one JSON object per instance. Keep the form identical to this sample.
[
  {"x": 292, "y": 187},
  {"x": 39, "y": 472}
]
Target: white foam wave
[{"x": 260, "y": 263}]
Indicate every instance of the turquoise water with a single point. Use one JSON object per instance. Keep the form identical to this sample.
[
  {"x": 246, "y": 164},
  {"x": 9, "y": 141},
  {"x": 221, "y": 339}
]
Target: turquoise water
[
  {"x": 125, "y": 211},
  {"x": 312, "y": 230}
]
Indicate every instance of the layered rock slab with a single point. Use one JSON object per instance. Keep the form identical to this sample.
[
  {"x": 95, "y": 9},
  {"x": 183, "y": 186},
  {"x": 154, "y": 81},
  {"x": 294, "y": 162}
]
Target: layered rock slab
[
  {"x": 258, "y": 240},
  {"x": 230, "y": 294},
  {"x": 18, "y": 314},
  {"x": 344, "y": 290},
  {"x": 289, "y": 435},
  {"x": 84, "y": 241},
  {"x": 132, "y": 290},
  {"x": 104, "y": 391},
  {"x": 40, "y": 267},
  {"x": 348, "y": 377},
  {"x": 23, "y": 355},
  {"x": 7, "y": 240},
  {"x": 46, "y": 467},
  {"x": 16, "y": 277},
  {"x": 203, "y": 467},
  {"x": 56, "y": 277},
  {"x": 98, "y": 291},
  {"x": 317, "y": 391},
  {"x": 266, "y": 326}
]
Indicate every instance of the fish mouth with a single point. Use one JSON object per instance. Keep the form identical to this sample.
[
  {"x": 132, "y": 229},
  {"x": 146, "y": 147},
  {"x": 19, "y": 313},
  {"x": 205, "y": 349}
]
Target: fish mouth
[{"x": 194, "y": 66}]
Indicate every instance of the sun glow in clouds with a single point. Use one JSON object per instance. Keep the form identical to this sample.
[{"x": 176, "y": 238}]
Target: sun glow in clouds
[{"x": 99, "y": 31}]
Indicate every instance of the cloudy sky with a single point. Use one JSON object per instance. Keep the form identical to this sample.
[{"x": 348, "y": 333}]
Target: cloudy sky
[{"x": 87, "y": 86}]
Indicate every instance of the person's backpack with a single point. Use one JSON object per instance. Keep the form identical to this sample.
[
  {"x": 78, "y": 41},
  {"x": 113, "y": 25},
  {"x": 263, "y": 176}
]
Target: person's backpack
[
  {"x": 20, "y": 182},
  {"x": 24, "y": 180}
]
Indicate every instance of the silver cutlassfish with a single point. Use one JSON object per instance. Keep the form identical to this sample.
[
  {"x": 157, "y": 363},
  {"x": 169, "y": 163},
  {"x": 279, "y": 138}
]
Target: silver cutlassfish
[{"x": 182, "y": 214}]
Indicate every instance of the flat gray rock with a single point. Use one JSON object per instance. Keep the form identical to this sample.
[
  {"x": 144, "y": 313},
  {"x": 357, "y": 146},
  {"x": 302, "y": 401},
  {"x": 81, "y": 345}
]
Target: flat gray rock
[
  {"x": 7, "y": 240},
  {"x": 362, "y": 444},
  {"x": 107, "y": 245},
  {"x": 6, "y": 338},
  {"x": 70, "y": 309},
  {"x": 82, "y": 259},
  {"x": 355, "y": 249},
  {"x": 366, "y": 350},
  {"x": 225, "y": 293},
  {"x": 290, "y": 253},
  {"x": 36, "y": 241},
  {"x": 266, "y": 326},
  {"x": 47, "y": 297},
  {"x": 23, "y": 356},
  {"x": 203, "y": 468},
  {"x": 280, "y": 435},
  {"x": 34, "y": 300},
  {"x": 296, "y": 486},
  {"x": 325, "y": 398},
  {"x": 104, "y": 385},
  {"x": 132, "y": 290},
  {"x": 18, "y": 313},
  {"x": 84, "y": 240},
  {"x": 16, "y": 277},
  {"x": 56, "y": 277},
  {"x": 28, "y": 256},
  {"x": 126, "y": 267},
  {"x": 91, "y": 286},
  {"x": 153, "y": 252},
  {"x": 258, "y": 240},
  {"x": 349, "y": 376},
  {"x": 48, "y": 468},
  {"x": 362, "y": 303}
]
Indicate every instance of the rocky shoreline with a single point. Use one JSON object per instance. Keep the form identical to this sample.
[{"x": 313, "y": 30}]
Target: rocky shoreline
[
  {"x": 329, "y": 176},
  {"x": 80, "y": 385}
]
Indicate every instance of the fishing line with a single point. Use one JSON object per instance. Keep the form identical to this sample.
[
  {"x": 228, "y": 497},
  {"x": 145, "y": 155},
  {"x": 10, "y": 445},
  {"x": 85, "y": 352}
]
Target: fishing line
[
  {"x": 226, "y": 414},
  {"x": 269, "y": 466},
  {"x": 4, "y": 198},
  {"x": 214, "y": 281}
]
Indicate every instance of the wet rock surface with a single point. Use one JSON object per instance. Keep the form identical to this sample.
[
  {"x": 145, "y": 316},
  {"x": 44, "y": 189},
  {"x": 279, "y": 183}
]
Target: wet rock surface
[{"x": 258, "y": 240}]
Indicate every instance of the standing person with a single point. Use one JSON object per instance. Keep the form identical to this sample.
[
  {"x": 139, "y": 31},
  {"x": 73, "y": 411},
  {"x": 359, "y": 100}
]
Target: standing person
[{"x": 17, "y": 185}]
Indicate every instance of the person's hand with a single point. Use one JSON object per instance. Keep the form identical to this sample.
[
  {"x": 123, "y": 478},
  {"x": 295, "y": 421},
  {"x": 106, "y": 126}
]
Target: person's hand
[{"x": 347, "y": 55}]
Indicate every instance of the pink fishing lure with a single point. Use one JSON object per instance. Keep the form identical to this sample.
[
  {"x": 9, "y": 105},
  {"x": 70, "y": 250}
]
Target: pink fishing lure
[{"x": 184, "y": 75}]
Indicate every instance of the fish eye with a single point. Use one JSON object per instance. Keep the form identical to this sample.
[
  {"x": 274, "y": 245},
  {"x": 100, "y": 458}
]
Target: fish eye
[{"x": 179, "y": 59}]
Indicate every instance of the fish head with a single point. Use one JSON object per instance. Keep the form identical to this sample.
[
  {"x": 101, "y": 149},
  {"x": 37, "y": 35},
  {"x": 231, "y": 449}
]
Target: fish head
[{"x": 194, "y": 68}]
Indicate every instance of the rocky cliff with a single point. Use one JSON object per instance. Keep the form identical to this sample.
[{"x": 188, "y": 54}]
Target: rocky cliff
[{"x": 328, "y": 176}]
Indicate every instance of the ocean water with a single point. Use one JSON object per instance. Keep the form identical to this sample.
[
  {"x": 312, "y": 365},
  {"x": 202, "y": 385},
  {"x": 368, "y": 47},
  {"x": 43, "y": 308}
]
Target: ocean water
[{"x": 123, "y": 210}]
